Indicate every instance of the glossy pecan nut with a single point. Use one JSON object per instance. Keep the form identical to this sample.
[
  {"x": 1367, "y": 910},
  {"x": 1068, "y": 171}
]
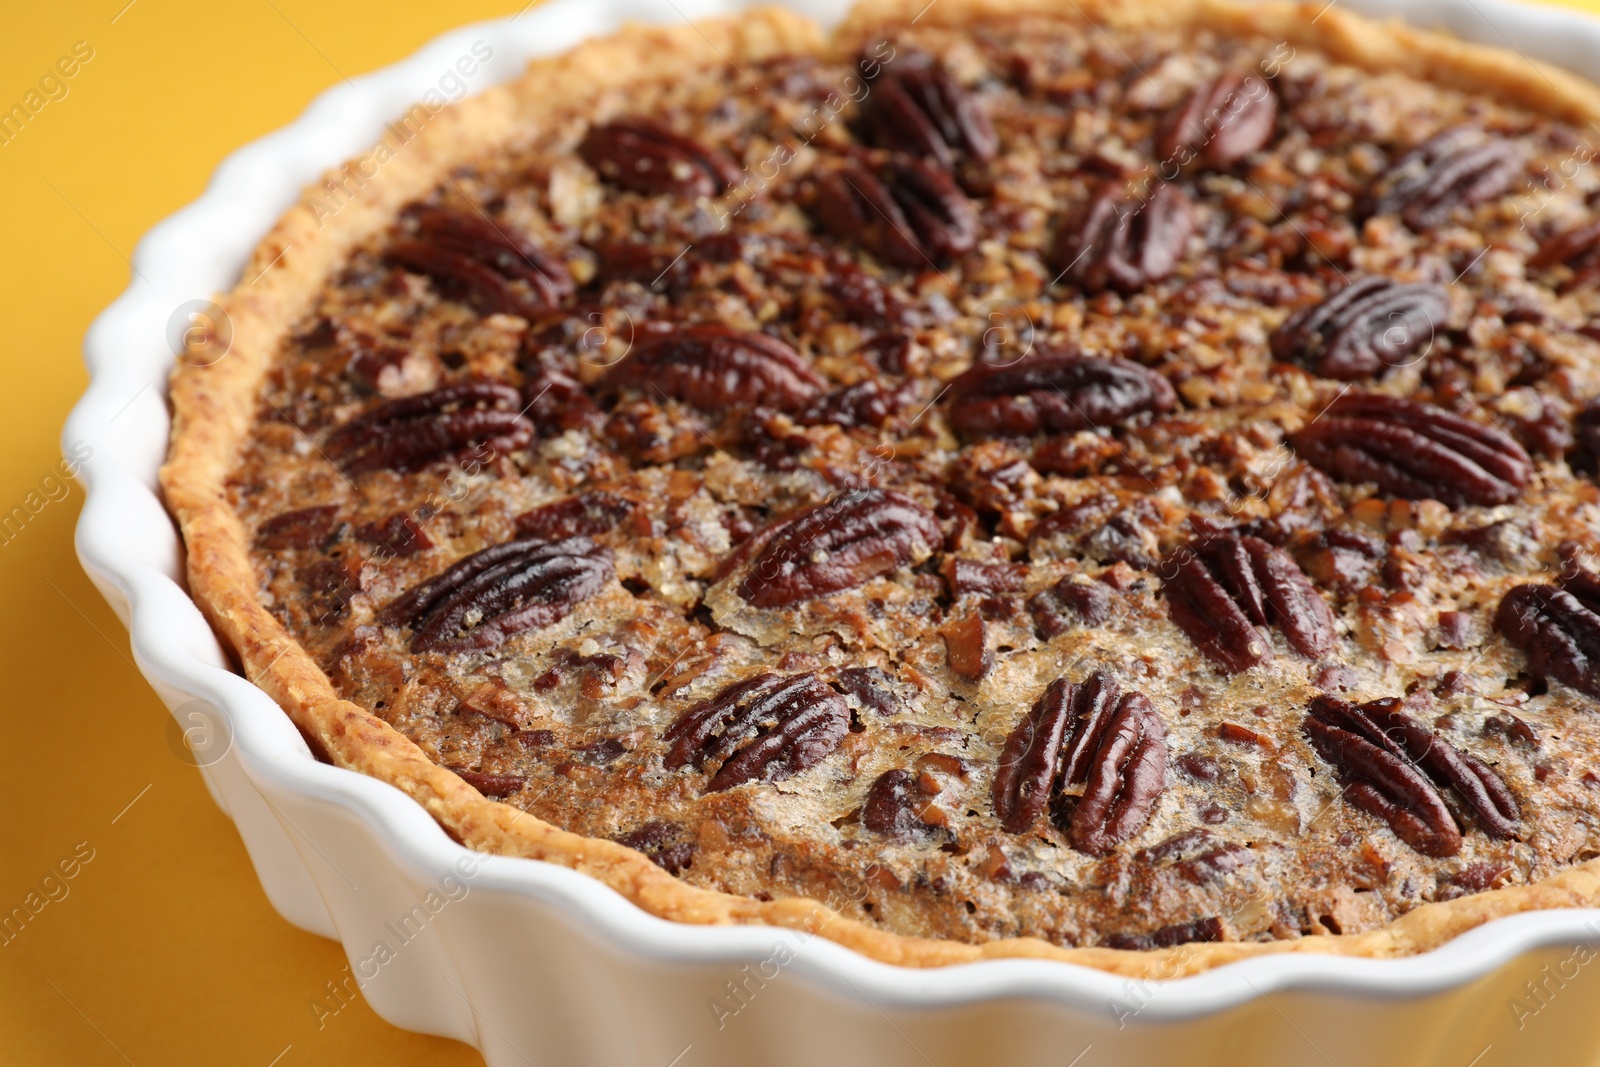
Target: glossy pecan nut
[
  {"x": 907, "y": 212},
  {"x": 400, "y": 534},
  {"x": 1577, "y": 249},
  {"x": 1055, "y": 392},
  {"x": 1459, "y": 167},
  {"x": 586, "y": 514},
  {"x": 871, "y": 688},
  {"x": 668, "y": 844},
  {"x": 491, "y": 595},
  {"x": 714, "y": 367},
  {"x": 1220, "y": 123},
  {"x": 838, "y": 545},
  {"x": 472, "y": 419},
  {"x": 1415, "y": 450},
  {"x": 1558, "y": 627},
  {"x": 900, "y": 807},
  {"x": 871, "y": 402},
  {"x": 1092, "y": 735},
  {"x": 484, "y": 263},
  {"x": 922, "y": 111},
  {"x": 1056, "y": 609},
  {"x": 1368, "y": 326},
  {"x": 313, "y": 527},
  {"x": 646, "y": 157},
  {"x": 765, "y": 728},
  {"x": 1207, "y": 929},
  {"x": 1220, "y": 589},
  {"x": 1393, "y": 767},
  {"x": 1123, "y": 241}
]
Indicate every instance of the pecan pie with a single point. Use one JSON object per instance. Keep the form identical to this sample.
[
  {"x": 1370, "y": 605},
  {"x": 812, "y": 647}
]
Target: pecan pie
[{"x": 1084, "y": 480}]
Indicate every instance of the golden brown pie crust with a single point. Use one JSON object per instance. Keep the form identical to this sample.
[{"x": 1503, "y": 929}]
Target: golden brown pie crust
[{"x": 214, "y": 406}]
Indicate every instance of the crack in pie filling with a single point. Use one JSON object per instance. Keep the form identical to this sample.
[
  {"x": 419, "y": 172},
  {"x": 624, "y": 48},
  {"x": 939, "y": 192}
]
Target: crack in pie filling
[{"x": 1002, "y": 484}]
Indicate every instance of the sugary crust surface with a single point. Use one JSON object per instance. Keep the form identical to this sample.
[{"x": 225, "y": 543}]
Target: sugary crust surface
[{"x": 215, "y": 410}]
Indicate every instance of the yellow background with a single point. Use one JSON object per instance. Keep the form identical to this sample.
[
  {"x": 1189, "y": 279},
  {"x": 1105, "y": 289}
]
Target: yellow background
[{"x": 165, "y": 949}]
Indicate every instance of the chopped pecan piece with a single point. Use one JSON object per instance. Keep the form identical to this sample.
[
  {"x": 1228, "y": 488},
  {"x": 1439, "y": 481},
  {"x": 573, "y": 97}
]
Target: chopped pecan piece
[
  {"x": 1055, "y": 392},
  {"x": 871, "y": 402},
  {"x": 313, "y": 527},
  {"x": 503, "y": 590},
  {"x": 870, "y": 686},
  {"x": 966, "y": 649},
  {"x": 838, "y": 545},
  {"x": 1053, "y": 608},
  {"x": 1208, "y": 929},
  {"x": 1220, "y": 123},
  {"x": 494, "y": 786},
  {"x": 1370, "y": 325},
  {"x": 1091, "y": 735},
  {"x": 555, "y": 402},
  {"x": 587, "y": 514},
  {"x": 922, "y": 111},
  {"x": 646, "y": 157},
  {"x": 906, "y": 212},
  {"x": 487, "y": 264},
  {"x": 1222, "y": 587},
  {"x": 986, "y": 578},
  {"x": 454, "y": 423},
  {"x": 1459, "y": 167},
  {"x": 1122, "y": 242},
  {"x": 899, "y": 806},
  {"x": 399, "y": 535},
  {"x": 765, "y": 728},
  {"x": 1393, "y": 767},
  {"x": 713, "y": 366},
  {"x": 1577, "y": 249},
  {"x": 666, "y": 843},
  {"x": 1558, "y": 626},
  {"x": 1415, "y": 450}
]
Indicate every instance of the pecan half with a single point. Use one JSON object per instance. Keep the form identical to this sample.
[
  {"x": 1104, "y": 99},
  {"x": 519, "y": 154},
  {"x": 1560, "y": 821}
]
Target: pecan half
[
  {"x": 484, "y": 599},
  {"x": 1122, "y": 242},
  {"x": 586, "y": 514},
  {"x": 922, "y": 111},
  {"x": 1220, "y": 123},
  {"x": 1055, "y": 392},
  {"x": 454, "y": 422},
  {"x": 646, "y": 157},
  {"x": 1558, "y": 626},
  {"x": 1415, "y": 450},
  {"x": 1220, "y": 588},
  {"x": 838, "y": 545},
  {"x": 1370, "y": 325},
  {"x": 483, "y": 263},
  {"x": 1577, "y": 249},
  {"x": 1091, "y": 735},
  {"x": 1459, "y": 167},
  {"x": 906, "y": 212},
  {"x": 713, "y": 366},
  {"x": 765, "y": 728},
  {"x": 1393, "y": 767}
]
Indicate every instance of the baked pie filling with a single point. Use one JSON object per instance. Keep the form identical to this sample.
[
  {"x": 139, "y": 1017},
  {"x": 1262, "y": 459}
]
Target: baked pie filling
[{"x": 1118, "y": 486}]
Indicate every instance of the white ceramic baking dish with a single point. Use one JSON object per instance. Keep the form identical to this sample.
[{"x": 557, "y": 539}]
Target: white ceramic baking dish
[{"x": 534, "y": 963}]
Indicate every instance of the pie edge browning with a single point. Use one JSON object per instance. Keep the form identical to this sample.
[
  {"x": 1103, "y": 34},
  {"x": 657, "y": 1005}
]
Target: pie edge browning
[{"x": 213, "y": 414}]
